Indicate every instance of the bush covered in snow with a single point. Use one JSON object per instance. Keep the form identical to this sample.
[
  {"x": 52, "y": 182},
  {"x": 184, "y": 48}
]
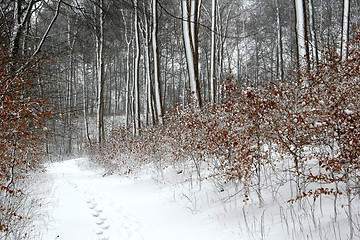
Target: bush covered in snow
[{"x": 302, "y": 132}]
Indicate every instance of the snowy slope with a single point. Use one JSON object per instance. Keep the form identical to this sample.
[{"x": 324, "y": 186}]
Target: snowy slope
[{"x": 85, "y": 205}]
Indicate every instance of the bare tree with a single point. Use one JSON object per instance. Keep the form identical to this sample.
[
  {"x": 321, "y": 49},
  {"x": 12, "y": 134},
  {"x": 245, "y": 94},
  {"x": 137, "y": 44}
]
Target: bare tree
[
  {"x": 301, "y": 35},
  {"x": 190, "y": 15},
  {"x": 213, "y": 50},
  {"x": 314, "y": 47},
  {"x": 20, "y": 19},
  {"x": 280, "y": 58},
  {"x": 157, "y": 77},
  {"x": 345, "y": 29},
  {"x": 100, "y": 66},
  {"x": 136, "y": 109}
]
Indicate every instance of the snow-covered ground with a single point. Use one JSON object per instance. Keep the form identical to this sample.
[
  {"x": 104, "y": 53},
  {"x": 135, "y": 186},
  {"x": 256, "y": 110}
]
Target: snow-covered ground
[{"x": 85, "y": 205}]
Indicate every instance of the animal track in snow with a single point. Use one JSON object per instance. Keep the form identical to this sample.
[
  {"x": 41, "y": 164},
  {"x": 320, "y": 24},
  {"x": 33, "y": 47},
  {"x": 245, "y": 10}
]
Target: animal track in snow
[{"x": 111, "y": 222}]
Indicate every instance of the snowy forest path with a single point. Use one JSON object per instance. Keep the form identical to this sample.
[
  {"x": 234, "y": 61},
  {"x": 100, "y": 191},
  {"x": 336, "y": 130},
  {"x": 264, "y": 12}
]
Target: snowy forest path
[
  {"x": 86, "y": 205},
  {"x": 80, "y": 212}
]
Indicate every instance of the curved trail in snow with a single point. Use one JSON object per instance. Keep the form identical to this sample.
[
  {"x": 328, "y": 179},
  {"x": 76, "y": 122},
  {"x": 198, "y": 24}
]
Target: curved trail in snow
[
  {"x": 81, "y": 211},
  {"x": 86, "y": 205}
]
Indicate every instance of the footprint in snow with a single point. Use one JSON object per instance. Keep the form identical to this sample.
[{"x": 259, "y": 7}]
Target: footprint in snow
[{"x": 105, "y": 212}]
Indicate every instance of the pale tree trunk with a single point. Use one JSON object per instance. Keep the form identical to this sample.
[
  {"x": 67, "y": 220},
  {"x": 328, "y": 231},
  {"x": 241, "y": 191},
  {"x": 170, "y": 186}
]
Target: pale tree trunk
[
  {"x": 127, "y": 93},
  {"x": 349, "y": 204},
  {"x": 158, "y": 103},
  {"x": 212, "y": 58},
  {"x": 314, "y": 48},
  {"x": 149, "y": 92},
  {"x": 85, "y": 104},
  {"x": 128, "y": 40},
  {"x": 71, "y": 42},
  {"x": 100, "y": 62},
  {"x": 190, "y": 42},
  {"x": 280, "y": 63},
  {"x": 109, "y": 87},
  {"x": 345, "y": 29},
  {"x": 136, "y": 74},
  {"x": 301, "y": 36}
]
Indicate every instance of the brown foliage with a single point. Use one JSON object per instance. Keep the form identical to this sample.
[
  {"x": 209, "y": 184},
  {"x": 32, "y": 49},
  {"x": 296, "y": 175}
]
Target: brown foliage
[
  {"x": 312, "y": 119},
  {"x": 22, "y": 118}
]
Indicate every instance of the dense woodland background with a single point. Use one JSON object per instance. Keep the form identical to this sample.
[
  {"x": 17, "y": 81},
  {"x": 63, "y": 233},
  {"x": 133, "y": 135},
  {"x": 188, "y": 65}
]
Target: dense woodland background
[{"x": 246, "y": 88}]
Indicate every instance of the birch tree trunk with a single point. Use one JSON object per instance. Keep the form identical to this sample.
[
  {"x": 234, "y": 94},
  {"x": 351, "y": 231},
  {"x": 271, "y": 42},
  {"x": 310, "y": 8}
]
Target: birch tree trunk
[{"x": 345, "y": 29}]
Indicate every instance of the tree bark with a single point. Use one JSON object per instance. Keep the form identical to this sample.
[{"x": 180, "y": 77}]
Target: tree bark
[
  {"x": 345, "y": 29},
  {"x": 136, "y": 74},
  {"x": 280, "y": 62},
  {"x": 157, "y": 77},
  {"x": 189, "y": 22},
  {"x": 20, "y": 21},
  {"x": 101, "y": 80},
  {"x": 314, "y": 46},
  {"x": 212, "y": 58},
  {"x": 301, "y": 35},
  {"x": 149, "y": 91}
]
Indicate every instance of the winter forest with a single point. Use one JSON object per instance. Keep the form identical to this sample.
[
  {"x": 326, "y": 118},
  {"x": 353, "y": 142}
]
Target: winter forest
[{"x": 246, "y": 112}]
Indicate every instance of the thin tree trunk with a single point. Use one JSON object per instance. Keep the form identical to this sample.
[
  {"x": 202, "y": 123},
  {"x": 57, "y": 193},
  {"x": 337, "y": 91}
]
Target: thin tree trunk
[
  {"x": 157, "y": 77},
  {"x": 70, "y": 109},
  {"x": 280, "y": 67},
  {"x": 100, "y": 45},
  {"x": 212, "y": 58},
  {"x": 127, "y": 90},
  {"x": 314, "y": 47},
  {"x": 149, "y": 92},
  {"x": 85, "y": 104},
  {"x": 345, "y": 29},
  {"x": 136, "y": 74}
]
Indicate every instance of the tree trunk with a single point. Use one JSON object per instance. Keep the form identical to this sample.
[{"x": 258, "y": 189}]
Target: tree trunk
[
  {"x": 189, "y": 22},
  {"x": 136, "y": 74},
  {"x": 345, "y": 29},
  {"x": 301, "y": 36},
  {"x": 159, "y": 107},
  {"x": 149, "y": 91},
  {"x": 70, "y": 109},
  {"x": 280, "y": 63},
  {"x": 20, "y": 20},
  {"x": 314, "y": 47},
  {"x": 100, "y": 61},
  {"x": 212, "y": 58}
]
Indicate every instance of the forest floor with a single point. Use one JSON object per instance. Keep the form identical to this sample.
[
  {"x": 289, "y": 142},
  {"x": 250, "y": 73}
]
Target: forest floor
[{"x": 84, "y": 204}]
